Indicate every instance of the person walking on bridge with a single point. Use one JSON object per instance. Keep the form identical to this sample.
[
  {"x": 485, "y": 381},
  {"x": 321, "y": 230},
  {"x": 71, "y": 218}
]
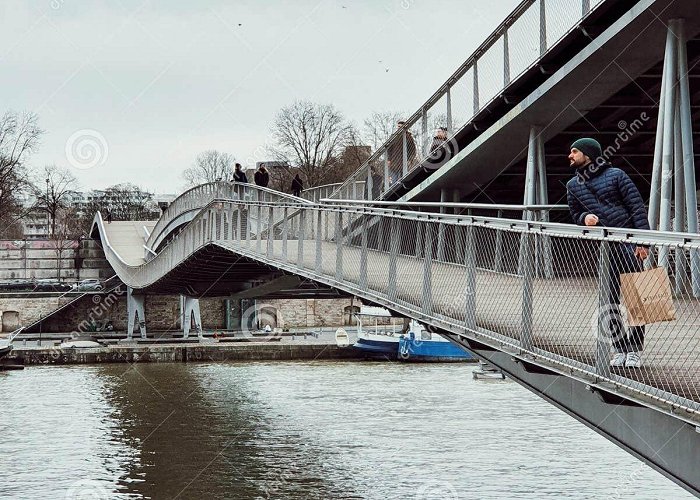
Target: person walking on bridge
[
  {"x": 297, "y": 185},
  {"x": 602, "y": 195},
  {"x": 239, "y": 174},
  {"x": 262, "y": 177}
]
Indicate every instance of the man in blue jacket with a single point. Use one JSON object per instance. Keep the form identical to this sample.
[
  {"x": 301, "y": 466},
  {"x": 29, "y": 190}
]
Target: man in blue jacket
[{"x": 602, "y": 195}]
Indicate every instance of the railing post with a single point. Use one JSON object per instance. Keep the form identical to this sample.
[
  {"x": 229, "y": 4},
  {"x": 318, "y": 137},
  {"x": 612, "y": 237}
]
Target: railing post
[
  {"x": 404, "y": 160},
  {"x": 476, "y": 87},
  {"x": 270, "y": 231},
  {"x": 319, "y": 241},
  {"x": 247, "y": 225},
  {"x": 605, "y": 312},
  {"x": 427, "y": 271},
  {"x": 448, "y": 103},
  {"x": 363, "y": 254},
  {"x": 543, "y": 28},
  {"x": 393, "y": 255},
  {"x": 222, "y": 227},
  {"x": 285, "y": 234},
  {"x": 420, "y": 246},
  {"x": 300, "y": 241},
  {"x": 498, "y": 256},
  {"x": 424, "y": 131},
  {"x": 441, "y": 227},
  {"x": 470, "y": 286},
  {"x": 506, "y": 59},
  {"x": 370, "y": 187},
  {"x": 239, "y": 228},
  {"x": 258, "y": 239},
  {"x": 386, "y": 170},
  {"x": 338, "y": 245},
  {"x": 526, "y": 341}
]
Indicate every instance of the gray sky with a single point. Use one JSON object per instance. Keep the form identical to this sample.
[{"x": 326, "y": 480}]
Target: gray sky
[{"x": 149, "y": 84}]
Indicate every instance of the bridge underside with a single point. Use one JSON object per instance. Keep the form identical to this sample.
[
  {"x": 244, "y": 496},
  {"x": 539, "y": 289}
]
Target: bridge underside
[{"x": 216, "y": 272}]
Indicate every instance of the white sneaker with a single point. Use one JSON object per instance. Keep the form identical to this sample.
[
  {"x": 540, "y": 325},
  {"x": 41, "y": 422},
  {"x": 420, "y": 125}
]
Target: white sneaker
[
  {"x": 618, "y": 360},
  {"x": 634, "y": 360}
]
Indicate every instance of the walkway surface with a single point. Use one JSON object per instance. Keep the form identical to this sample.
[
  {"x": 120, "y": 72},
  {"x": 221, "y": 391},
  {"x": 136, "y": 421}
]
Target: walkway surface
[{"x": 127, "y": 238}]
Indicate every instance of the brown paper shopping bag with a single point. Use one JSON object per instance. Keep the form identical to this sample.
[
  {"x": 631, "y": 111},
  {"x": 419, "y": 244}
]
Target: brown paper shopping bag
[{"x": 647, "y": 297}]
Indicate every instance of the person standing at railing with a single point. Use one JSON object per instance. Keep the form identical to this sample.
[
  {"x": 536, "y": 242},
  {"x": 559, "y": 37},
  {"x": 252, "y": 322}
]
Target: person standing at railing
[
  {"x": 602, "y": 195},
  {"x": 297, "y": 186},
  {"x": 262, "y": 177},
  {"x": 239, "y": 174}
]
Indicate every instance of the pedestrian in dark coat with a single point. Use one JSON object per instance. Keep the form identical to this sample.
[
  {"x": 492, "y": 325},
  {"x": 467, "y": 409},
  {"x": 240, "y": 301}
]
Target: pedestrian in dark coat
[
  {"x": 262, "y": 177},
  {"x": 297, "y": 185},
  {"x": 239, "y": 174},
  {"x": 602, "y": 195}
]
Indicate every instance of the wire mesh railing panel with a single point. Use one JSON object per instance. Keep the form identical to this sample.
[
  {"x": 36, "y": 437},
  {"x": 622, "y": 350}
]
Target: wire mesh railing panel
[
  {"x": 523, "y": 41},
  {"x": 561, "y": 16},
  {"x": 491, "y": 69},
  {"x": 566, "y": 298},
  {"x": 462, "y": 100}
]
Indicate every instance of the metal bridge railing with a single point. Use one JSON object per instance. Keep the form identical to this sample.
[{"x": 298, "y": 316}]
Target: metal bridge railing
[
  {"x": 549, "y": 294},
  {"x": 527, "y": 34},
  {"x": 350, "y": 190},
  {"x": 187, "y": 205}
]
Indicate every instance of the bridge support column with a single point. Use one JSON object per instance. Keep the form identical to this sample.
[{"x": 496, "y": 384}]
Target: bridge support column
[
  {"x": 135, "y": 309},
  {"x": 536, "y": 194},
  {"x": 189, "y": 314},
  {"x": 441, "y": 227},
  {"x": 673, "y": 174}
]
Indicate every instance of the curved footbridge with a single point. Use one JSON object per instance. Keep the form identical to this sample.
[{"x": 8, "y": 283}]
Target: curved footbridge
[{"x": 529, "y": 297}]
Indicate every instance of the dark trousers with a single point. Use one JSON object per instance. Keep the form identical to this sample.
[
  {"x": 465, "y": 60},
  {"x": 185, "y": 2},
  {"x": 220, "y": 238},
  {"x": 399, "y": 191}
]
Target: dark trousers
[{"x": 623, "y": 260}]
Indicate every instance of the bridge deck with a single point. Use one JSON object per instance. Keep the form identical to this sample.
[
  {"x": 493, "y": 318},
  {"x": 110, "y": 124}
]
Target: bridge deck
[
  {"x": 565, "y": 310},
  {"x": 127, "y": 238}
]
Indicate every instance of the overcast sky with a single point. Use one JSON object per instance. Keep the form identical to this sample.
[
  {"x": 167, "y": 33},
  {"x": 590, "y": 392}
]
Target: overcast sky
[{"x": 149, "y": 84}]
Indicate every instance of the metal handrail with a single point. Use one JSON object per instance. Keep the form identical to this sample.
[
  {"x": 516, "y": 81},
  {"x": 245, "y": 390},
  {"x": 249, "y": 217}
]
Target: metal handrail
[
  {"x": 500, "y": 33},
  {"x": 435, "y": 204},
  {"x": 197, "y": 197}
]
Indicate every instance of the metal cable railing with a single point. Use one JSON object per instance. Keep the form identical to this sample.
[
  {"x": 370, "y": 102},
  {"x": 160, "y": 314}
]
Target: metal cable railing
[
  {"x": 545, "y": 291},
  {"x": 526, "y": 35},
  {"x": 187, "y": 205}
]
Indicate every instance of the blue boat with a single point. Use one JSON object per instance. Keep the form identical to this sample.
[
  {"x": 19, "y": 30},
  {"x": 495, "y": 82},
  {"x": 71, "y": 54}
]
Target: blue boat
[
  {"x": 379, "y": 342},
  {"x": 420, "y": 345}
]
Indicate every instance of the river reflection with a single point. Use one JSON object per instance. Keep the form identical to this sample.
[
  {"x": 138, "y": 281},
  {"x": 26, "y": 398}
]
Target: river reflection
[{"x": 298, "y": 430}]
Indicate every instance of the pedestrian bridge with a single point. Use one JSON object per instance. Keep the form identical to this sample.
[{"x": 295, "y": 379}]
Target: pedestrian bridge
[{"x": 530, "y": 297}]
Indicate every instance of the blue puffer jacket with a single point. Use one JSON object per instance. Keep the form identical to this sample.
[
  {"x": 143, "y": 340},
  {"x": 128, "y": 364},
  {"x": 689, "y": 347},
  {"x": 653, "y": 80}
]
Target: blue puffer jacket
[{"x": 610, "y": 194}]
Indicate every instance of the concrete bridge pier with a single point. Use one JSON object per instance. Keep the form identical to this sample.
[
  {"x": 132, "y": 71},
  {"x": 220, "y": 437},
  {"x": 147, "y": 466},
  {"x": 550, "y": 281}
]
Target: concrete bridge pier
[
  {"x": 190, "y": 314},
  {"x": 136, "y": 313}
]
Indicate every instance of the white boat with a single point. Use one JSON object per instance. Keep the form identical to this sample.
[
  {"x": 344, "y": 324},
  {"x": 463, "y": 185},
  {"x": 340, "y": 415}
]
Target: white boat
[{"x": 78, "y": 344}]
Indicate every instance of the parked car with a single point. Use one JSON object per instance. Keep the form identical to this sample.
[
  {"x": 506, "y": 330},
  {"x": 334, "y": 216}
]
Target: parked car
[{"x": 90, "y": 285}]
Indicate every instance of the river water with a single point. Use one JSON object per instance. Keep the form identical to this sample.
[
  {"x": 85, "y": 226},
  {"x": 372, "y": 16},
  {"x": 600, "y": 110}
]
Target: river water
[{"x": 298, "y": 430}]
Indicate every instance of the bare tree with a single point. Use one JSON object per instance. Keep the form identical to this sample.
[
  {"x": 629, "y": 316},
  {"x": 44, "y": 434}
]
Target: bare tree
[
  {"x": 54, "y": 192},
  {"x": 19, "y": 138},
  {"x": 65, "y": 234},
  {"x": 311, "y": 137},
  {"x": 379, "y": 126},
  {"x": 125, "y": 201},
  {"x": 209, "y": 166}
]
